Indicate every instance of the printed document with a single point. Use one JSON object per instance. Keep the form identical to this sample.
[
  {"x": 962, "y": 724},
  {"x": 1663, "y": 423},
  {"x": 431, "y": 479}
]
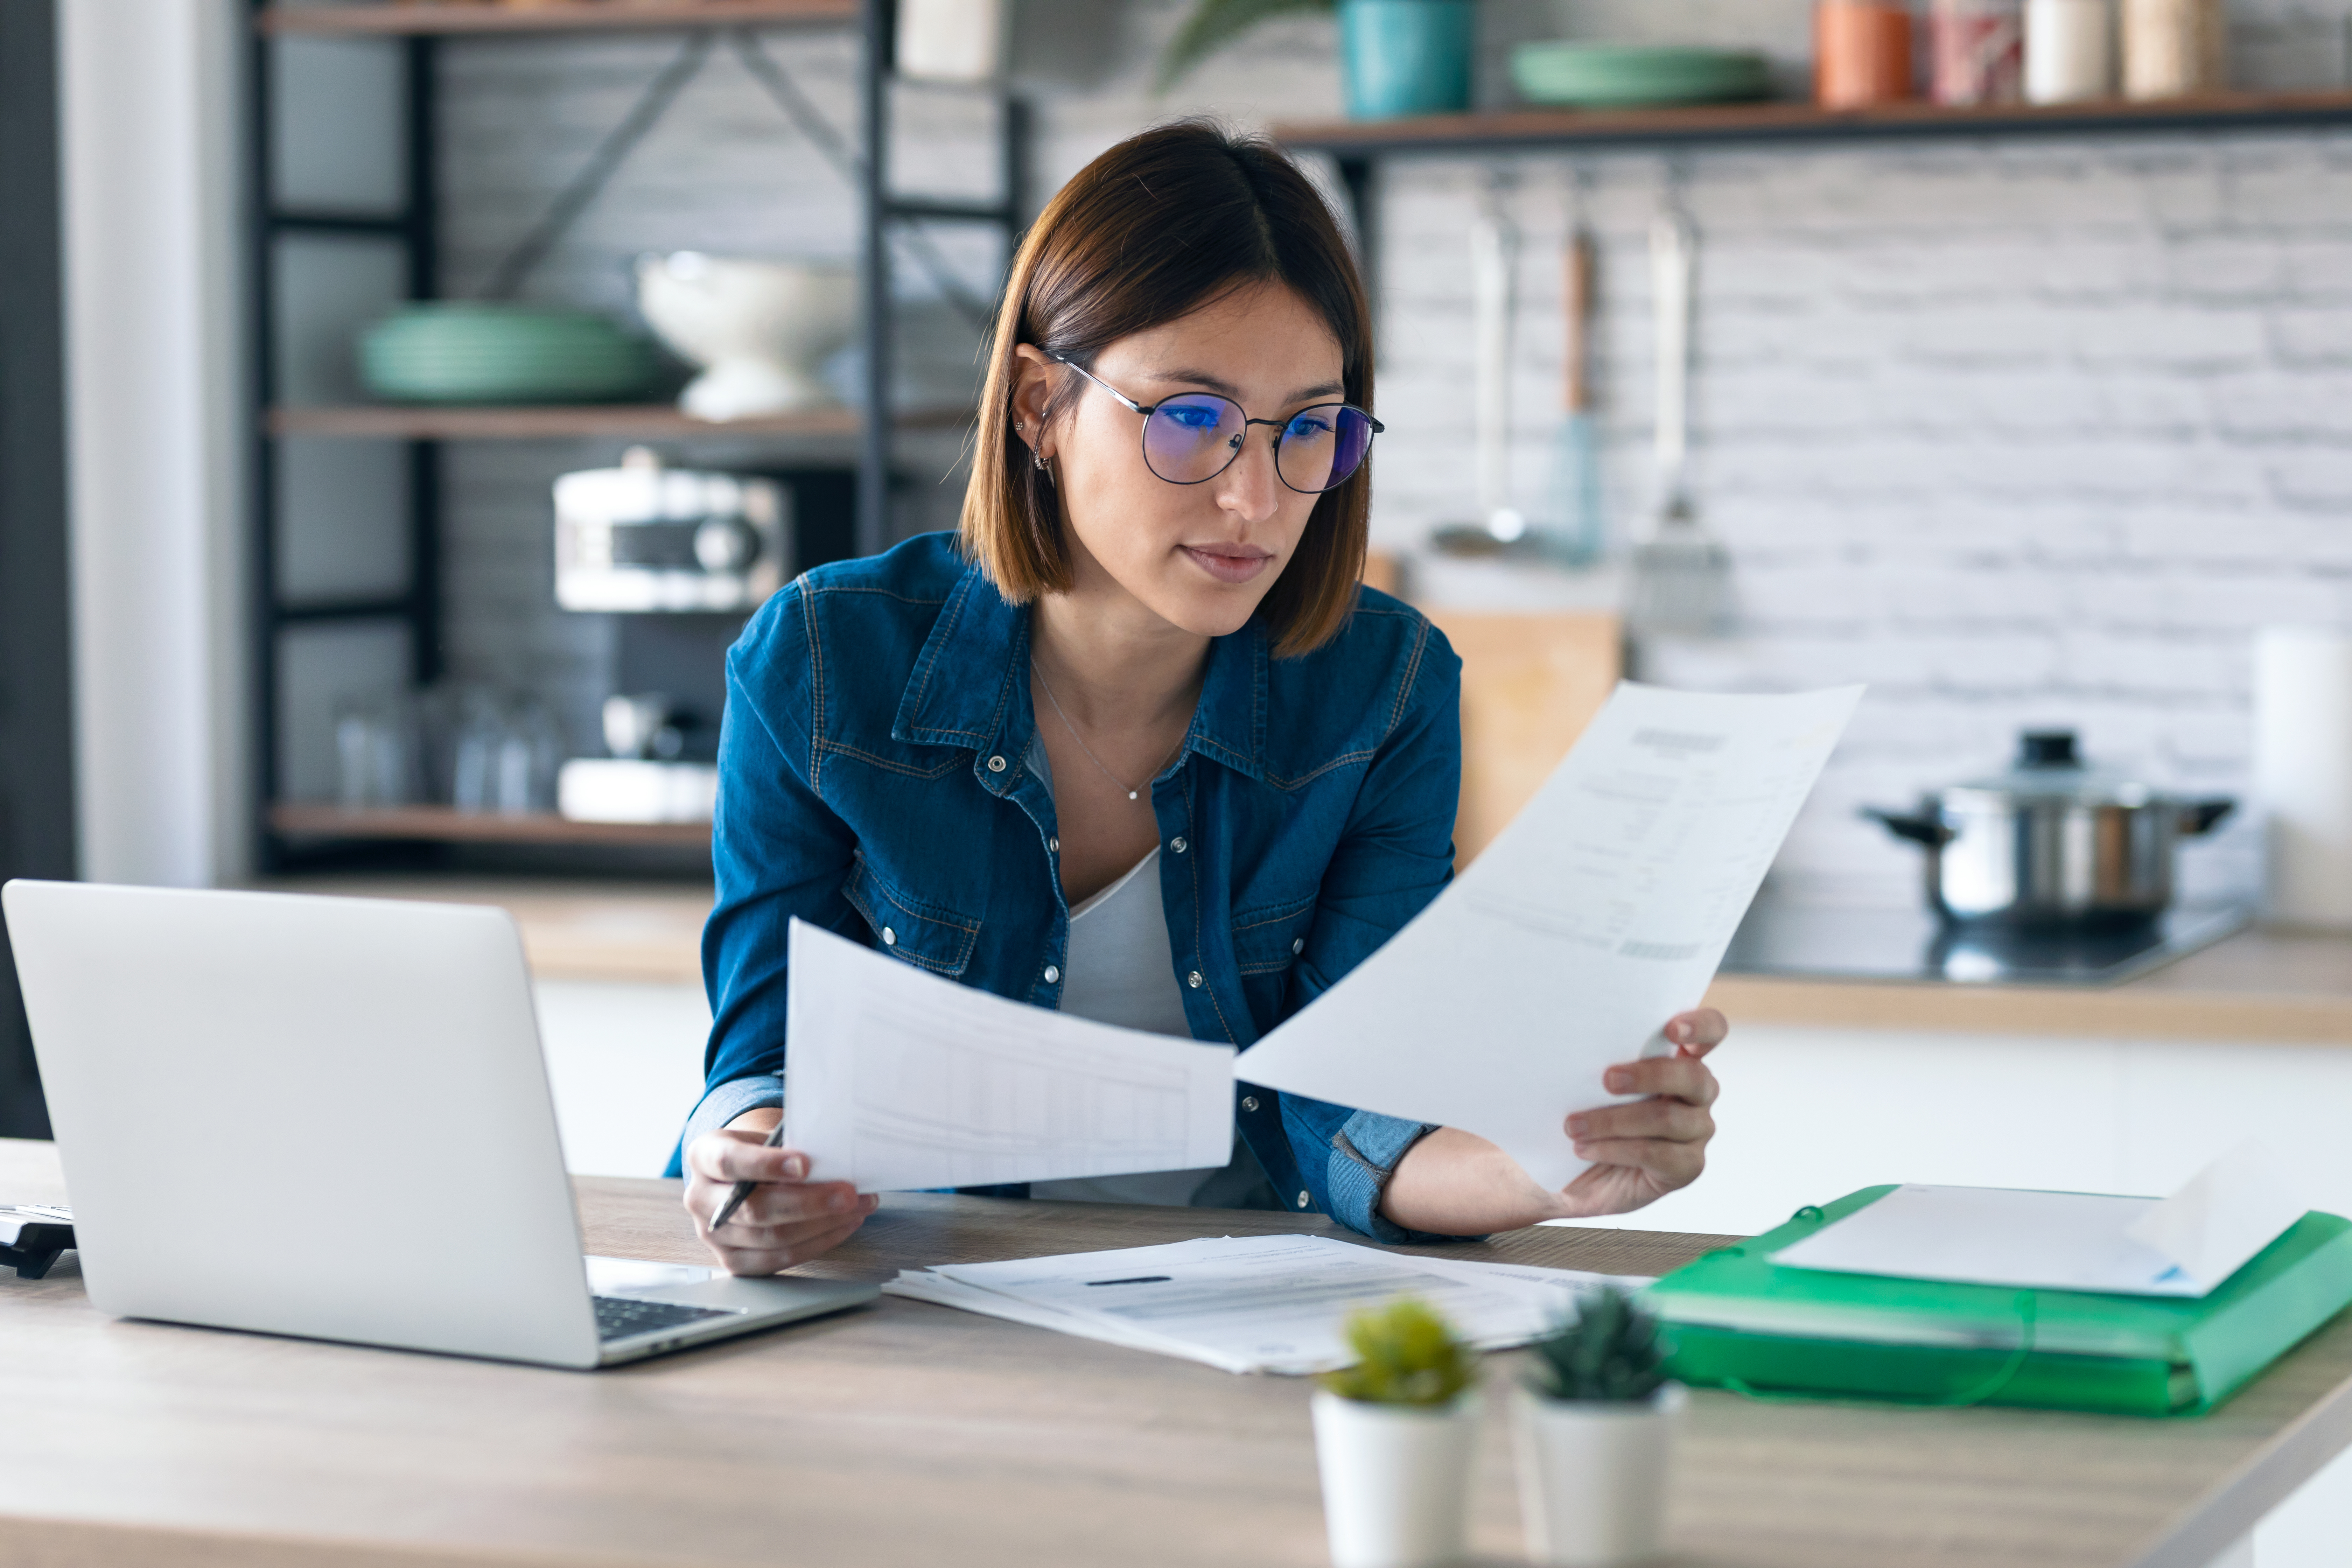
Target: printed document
[
  {"x": 902, "y": 1079},
  {"x": 2181, "y": 1245},
  {"x": 1598, "y": 914},
  {"x": 1249, "y": 1304}
]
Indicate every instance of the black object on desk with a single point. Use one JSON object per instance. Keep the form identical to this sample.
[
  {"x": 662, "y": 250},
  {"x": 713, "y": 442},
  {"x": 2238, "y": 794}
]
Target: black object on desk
[{"x": 32, "y": 1237}]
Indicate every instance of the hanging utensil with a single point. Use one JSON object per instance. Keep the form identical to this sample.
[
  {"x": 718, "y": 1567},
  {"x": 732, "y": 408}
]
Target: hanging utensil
[
  {"x": 1681, "y": 576},
  {"x": 1494, "y": 253},
  {"x": 1572, "y": 532}
]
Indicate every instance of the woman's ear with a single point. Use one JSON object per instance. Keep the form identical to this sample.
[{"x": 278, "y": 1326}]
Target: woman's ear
[{"x": 1033, "y": 388}]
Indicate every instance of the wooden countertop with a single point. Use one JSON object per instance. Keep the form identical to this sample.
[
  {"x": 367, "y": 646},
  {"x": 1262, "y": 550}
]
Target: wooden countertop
[
  {"x": 2259, "y": 986},
  {"x": 906, "y": 1433}
]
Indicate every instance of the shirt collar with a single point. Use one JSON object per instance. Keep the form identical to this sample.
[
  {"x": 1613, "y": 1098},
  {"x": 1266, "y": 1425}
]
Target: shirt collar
[{"x": 969, "y": 688}]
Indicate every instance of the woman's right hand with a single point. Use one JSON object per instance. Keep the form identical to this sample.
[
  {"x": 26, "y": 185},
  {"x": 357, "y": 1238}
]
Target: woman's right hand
[{"x": 787, "y": 1219}]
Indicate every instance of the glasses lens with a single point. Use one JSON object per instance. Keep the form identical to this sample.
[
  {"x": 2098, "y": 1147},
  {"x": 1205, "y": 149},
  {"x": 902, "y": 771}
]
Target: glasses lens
[
  {"x": 1191, "y": 438},
  {"x": 1322, "y": 445}
]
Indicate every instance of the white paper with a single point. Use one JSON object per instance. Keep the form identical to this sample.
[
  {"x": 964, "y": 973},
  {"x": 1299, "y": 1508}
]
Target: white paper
[
  {"x": 620, "y": 1276},
  {"x": 1598, "y": 914},
  {"x": 902, "y": 1079},
  {"x": 2049, "y": 1241},
  {"x": 1249, "y": 1304},
  {"x": 2228, "y": 1212}
]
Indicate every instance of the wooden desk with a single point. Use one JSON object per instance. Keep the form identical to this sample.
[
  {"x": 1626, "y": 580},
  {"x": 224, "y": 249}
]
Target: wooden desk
[{"x": 909, "y": 1434}]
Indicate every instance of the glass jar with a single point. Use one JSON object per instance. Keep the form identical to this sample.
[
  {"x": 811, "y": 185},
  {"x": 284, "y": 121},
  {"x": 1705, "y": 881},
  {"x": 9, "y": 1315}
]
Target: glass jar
[
  {"x": 1976, "y": 51},
  {"x": 2174, "y": 48}
]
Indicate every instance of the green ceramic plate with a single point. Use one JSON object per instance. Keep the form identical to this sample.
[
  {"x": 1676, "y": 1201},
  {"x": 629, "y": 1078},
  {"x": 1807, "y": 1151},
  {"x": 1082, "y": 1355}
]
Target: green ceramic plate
[
  {"x": 1619, "y": 76},
  {"x": 472, "y": 352}
]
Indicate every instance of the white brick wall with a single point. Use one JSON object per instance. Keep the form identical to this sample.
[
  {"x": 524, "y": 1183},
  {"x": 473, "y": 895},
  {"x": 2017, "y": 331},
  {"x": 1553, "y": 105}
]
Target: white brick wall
[{"x": 2019, "y": 432}]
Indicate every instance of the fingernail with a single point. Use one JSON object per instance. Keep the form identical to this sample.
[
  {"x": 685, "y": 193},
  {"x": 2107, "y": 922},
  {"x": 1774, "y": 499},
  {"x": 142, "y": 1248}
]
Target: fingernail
[
  {"x": 1583, "y": 1152},
  {"x": 1577, "y": 1127},
  {"x": 843, "y": 1200},
  {"x": 795, "y": 1168},
  {"x": 1682, "y": 1032},
  {"x": 1614, "y": 1081}
]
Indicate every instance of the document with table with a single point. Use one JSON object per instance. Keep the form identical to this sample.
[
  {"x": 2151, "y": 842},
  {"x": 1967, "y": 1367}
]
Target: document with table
[
  {"x": 1251, "y": 1304},
  {"x": 1601, "y": 913}
]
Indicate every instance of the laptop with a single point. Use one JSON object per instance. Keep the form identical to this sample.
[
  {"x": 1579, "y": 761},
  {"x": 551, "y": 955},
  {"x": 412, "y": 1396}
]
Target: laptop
[{"x": 330, "y": 1118}]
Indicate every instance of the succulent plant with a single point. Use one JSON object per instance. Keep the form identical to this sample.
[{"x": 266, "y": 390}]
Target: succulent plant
[
  {"x": 1610, "y": 1353},
  {"x": 1214, "y": 24},
  {"x": 1407, "y": 1354}
]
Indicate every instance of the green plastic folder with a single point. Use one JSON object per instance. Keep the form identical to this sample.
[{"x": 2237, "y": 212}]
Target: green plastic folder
[{"x": 1741, "y": 1322}]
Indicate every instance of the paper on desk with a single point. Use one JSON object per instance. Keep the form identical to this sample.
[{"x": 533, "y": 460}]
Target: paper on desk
[
  {"x": 1598, "y": 914},
  {"x": 901, "y": 1080},
  {"x": 1249, "y": 1304},
  {"x": 2057, "y": 1241}
]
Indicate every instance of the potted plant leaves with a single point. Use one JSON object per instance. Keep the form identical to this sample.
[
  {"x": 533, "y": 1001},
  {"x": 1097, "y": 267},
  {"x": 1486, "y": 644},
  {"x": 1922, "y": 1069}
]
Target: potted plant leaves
[
  {"x": 1595, "y": 1427},
  {"x": 1393, "y": 1437}
]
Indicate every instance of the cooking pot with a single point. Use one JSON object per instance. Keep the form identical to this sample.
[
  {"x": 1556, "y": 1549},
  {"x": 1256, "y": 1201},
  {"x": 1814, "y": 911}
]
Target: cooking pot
[{"x": 2052, "y": 841}]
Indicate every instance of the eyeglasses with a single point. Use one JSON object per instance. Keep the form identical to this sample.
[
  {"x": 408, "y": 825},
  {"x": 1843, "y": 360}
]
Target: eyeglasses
[{"x": 1192, "y": 438}]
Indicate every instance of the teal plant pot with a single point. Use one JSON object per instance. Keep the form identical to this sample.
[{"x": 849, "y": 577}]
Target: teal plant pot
[{"x": 1406, "y": 57}]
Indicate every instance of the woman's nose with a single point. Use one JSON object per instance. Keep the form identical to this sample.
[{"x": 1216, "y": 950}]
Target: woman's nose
[{"x": 1252, "y": 488}]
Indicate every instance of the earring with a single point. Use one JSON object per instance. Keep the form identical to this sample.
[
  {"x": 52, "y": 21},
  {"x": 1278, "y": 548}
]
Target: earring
[{"x": 1036, "y": 459}]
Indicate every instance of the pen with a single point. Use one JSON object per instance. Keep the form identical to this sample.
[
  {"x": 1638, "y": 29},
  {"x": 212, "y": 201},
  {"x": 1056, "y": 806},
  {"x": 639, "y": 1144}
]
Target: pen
[{"x": 743, "y": 1189}]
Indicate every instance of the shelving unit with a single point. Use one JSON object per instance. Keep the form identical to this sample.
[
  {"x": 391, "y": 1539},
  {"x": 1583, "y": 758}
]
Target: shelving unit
[
  {"x": 446, "y": 825},
  {"x": 418, "y": 26},
  {"x": 1357, "y": 146},
  {"x": 646, "y": 421}
]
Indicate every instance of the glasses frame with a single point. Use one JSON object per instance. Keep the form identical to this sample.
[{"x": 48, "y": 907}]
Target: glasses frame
[{"x": 1148, "y": 409}]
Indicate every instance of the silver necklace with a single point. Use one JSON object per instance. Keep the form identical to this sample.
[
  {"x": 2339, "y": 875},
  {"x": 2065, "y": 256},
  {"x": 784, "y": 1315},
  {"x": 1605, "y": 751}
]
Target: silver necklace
[{"x": 1133, "y": 791}]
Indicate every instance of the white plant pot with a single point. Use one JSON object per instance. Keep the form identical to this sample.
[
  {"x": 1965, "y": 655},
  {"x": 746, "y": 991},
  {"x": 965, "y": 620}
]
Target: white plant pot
[
  {"x": 1396, "y": 1480},
  {"x": 1592, "y": 1477},
  {"x": 761, "y": 330}
]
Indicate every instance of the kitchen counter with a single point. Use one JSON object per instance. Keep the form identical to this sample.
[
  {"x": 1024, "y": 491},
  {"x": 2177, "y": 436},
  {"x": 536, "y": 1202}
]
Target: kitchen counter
[
  {"x": 2273, "y": 987},
  {"x": 2259, "y": 986},
  {"x": 649, "y": 932}
]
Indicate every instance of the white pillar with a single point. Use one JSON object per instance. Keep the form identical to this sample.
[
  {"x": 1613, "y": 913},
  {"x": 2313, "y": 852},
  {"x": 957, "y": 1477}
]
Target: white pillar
[{"x": 152, "y": 129}]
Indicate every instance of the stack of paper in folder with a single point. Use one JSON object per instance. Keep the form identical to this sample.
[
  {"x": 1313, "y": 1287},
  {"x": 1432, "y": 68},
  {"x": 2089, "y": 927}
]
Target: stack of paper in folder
[
  {"x": 1961, "y": 1295},
  {"x": 1259, "y": 1303}
]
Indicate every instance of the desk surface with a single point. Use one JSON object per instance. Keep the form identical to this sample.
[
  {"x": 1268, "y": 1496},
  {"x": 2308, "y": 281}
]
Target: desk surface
[{"x": 906, "y": 1433}]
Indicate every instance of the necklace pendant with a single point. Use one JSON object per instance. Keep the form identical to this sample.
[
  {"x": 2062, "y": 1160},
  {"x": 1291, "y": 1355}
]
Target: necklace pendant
[{"x": 1130, "y": 795}]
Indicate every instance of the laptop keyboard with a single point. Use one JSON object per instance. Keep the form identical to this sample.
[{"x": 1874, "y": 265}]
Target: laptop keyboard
[{"x": 618, "y": 1317}]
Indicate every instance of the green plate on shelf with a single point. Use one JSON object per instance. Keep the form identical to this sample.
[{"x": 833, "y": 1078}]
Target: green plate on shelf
[
  {"x": 1626, "y": 76},
  {"x": 461, "y": 352}
]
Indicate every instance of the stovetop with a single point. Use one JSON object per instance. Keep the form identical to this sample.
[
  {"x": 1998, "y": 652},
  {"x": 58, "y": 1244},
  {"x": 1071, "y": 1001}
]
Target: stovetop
[{"x": 1834, "y": 943}]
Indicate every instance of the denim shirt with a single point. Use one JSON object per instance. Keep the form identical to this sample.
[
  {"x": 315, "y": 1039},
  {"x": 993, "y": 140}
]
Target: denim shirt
[{"x": 872, "y": 782}]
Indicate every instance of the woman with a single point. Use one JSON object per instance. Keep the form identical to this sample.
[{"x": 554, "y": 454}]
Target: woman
[{"x": 1134, "y": 744}]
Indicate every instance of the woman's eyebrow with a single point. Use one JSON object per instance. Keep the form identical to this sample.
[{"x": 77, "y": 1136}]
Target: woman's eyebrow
[{"x": 1227, "y": 389}]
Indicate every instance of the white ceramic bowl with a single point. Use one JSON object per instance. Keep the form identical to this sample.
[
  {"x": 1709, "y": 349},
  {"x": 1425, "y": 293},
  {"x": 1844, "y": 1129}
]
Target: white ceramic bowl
[{"x": 761, "y": 330}]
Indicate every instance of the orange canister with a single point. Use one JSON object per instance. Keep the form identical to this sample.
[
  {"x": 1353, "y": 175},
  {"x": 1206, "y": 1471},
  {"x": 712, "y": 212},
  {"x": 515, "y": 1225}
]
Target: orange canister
[{"x": 1862, "y": 53}]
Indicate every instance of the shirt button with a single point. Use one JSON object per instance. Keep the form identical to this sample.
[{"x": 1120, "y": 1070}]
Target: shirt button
[
  {"x": 890, "y": 937},
  {"x": 1299, "y": 944},
  {"x": 1302, "y": 1200},
  {"x": 1249, "y": 1102},
  {"x": 996, "y": 764},
  {"x": 1053, "y": 845},
  {"x": 1053, "y": 975},
  {"x": 1193, "y": 980},
  {"x": 1177, "y": 843}
]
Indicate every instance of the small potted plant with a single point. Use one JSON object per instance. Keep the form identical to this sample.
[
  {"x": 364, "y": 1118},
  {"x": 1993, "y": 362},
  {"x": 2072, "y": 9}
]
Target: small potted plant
[
  {"x": 1594, "y": 1428},
  {"x": 1393, "y": 1436}
]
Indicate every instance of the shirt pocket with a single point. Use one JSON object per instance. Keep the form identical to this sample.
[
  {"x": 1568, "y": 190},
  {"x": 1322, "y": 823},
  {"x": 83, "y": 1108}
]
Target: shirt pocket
[
  {"x": 1268, "y": 939},
  {"x": 928, "y": 936}
]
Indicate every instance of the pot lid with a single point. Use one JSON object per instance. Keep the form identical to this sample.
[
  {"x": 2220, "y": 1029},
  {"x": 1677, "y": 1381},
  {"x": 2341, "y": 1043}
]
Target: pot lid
[{"x": 2049, "y": 767}]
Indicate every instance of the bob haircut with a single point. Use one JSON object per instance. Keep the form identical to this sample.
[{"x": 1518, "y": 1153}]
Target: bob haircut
[{"x": 1161, "y": 225}]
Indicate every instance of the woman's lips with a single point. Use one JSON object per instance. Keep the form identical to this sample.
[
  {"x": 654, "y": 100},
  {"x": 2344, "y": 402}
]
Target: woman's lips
[{"x": 1229, "y": 563}]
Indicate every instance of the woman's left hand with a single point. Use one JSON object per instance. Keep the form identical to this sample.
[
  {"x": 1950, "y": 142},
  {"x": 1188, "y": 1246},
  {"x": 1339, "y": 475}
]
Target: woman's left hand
[{"x": 1648, "y": 1148}]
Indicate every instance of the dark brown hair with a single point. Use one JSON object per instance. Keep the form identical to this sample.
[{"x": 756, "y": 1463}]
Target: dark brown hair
[{"x": 1161, "y": 225}]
